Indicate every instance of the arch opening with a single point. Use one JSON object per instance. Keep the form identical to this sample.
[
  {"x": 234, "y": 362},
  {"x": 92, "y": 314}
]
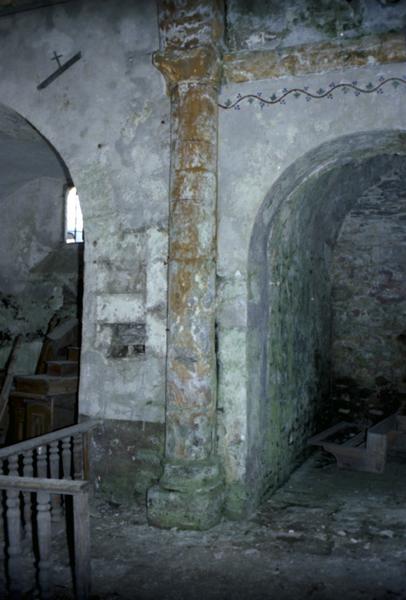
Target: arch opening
[
  {"x": 40, "y": 281},
  {"x": 322, "y": 274}
]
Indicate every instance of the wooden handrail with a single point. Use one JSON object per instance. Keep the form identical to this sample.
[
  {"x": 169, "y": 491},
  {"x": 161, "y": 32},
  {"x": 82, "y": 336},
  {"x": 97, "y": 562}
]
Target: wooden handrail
[
  {"x": 8, "y": 381},
  {"x": 47, "y": 438},
  {"x": 44, "y": 489},
  {"x": 63, "y": 455},
  {"x": 70, "y": 487}
]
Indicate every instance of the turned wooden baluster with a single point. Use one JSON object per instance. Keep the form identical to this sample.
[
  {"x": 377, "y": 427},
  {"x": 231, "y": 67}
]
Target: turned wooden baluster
[
  {"x": 42, "y": 461},
  {"x": 54, "y": 467},
  {"x": 85, "y": 454},
  {"x": 44, "y": 542},
  {"x": 67, "y": 458},
  {"x": 78, "y": 457},
  {"x": 28, "y": 471},
  {"x": 14, "y": 533},
  {"x": 43, "y": 524}
]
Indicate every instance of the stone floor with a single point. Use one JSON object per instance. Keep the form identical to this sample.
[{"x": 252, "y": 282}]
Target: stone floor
[{"x": 326, "y": 534}]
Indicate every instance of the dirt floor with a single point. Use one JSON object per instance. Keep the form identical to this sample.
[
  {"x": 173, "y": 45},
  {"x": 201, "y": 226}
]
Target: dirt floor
[{"x": 326, "y": 534}]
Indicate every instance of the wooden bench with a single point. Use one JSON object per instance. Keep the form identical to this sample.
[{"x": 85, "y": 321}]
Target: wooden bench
[{"x": 363, "y": 449}]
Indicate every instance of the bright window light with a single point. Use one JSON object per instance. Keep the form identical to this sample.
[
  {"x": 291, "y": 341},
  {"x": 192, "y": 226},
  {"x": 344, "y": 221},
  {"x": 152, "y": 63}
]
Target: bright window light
[{"x": 74, "y": 218}]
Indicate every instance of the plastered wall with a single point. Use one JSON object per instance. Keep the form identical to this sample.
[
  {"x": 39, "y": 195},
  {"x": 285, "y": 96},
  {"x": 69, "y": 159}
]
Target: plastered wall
[
  {"x": 265, "y": 24},
  {"x": 261, "y": 153},
  {"x": 107, "y": 118}
]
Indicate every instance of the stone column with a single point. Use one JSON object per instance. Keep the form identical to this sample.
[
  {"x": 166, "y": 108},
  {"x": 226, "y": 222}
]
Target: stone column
[{"x": 190, "y": 492}]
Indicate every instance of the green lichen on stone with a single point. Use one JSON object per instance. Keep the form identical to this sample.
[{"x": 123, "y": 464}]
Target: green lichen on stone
[
  {"x": 118, "y": 486},
  {"x": 369, "y": 301},
  {"x": 126, "y": 459},
  {"x": 198, "y": 509},
  {"x": 190, "y": 495},
  {"x": 126, "y": 483},
  {"x": 237, "y": 504}
]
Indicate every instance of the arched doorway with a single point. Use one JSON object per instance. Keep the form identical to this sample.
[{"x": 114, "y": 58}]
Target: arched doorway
[
  {"x": 40, "y": 275},
  {"x": 293, "y": 253}
]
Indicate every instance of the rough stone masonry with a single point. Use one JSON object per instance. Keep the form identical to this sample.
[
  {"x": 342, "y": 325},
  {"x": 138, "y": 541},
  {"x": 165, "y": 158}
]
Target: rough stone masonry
[{"x": 206, "y": 346}]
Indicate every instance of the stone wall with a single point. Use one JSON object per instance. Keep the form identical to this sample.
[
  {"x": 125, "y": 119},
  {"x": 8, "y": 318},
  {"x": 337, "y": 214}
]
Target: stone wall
[
  {"x": 265, "y": 24},
  {"x": 254, "y": 177},
  {"x": 299, "y": 324},
  {"x": 310, "y": 275},
  {"x": 107, "y": 117},
  {"x": 38, "y": 276},
  {"x": 125, "y": 458},
  {"x": 369, "y": 301}
]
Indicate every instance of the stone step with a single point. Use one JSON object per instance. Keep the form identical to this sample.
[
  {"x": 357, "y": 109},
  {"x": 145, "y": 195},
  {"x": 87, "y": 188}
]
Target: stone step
[
  {"x": 61, "y": 368},
  {"x": 46, "y": 384}
]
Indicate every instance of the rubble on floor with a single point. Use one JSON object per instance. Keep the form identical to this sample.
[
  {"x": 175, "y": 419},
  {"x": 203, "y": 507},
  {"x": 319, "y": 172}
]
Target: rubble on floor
[{"x": 326, "y": 534}]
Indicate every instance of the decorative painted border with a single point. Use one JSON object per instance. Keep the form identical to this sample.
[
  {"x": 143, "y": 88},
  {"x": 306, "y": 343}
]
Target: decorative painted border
[{"x": 345, "y": 87}]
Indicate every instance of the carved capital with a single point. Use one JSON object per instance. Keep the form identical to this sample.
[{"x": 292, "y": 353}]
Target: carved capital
[{"x": 201, "y": 65}]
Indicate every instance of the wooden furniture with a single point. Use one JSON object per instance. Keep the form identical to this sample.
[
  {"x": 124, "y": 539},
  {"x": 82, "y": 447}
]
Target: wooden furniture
[
  {"x": 364, "y": 449},
  {"x": 44, "y": 402},
  {"x": 49, "y": 467},
  {"x": 47, "y": 400},
  {"x": 58, "y": 338}
]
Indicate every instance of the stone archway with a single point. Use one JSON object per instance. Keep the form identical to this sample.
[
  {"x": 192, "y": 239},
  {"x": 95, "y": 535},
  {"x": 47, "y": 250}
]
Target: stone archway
[
  {"x": 289, "y": 315},
  {"x": 40, "y": 275}
]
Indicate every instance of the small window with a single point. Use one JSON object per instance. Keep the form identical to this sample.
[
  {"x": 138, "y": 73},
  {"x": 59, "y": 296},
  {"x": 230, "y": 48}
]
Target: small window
[{"x": 74, "y": 218}]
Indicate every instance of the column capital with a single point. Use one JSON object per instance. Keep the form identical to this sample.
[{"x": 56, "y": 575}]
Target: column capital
[{"x": 201, "y": 65}]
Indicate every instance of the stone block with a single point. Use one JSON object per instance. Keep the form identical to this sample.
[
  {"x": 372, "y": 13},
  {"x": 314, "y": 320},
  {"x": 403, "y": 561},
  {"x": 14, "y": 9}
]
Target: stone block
[
  {"x": 125, "y": 459},
  {"x": 189, "y": 496}
]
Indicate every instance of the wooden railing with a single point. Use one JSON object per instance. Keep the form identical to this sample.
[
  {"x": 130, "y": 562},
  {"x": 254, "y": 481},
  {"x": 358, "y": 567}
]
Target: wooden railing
[{"x": 47, "y": 469}]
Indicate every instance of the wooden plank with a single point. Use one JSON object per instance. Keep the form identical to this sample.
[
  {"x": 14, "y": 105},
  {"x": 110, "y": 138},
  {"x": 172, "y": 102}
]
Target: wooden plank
[
  {"x": 42, "y": 484},
  {"x": 384, "y": 426},
  {"x": 356, "y": 440},
  {"x": 81, "y": 524},
  {"x": 46, "y": 384},
  {"x": 60, "y": 336},
  {"x": 354, "y": 453},
  {"x": 62, "y": 368},
  {"x": 74, "y": 353},
  {"x": 377, "y": 446},
  {"x": 47, "y": 350},
  {"x": 28, "y": 396},
  {"x": 59, "y": 398},
  {"x": 401, "y": 422},
  {"x": 49, "y": 437},
  {"x": 8, "y": 381},
  {"x": 317, "y": 440},
  {"x": 343, "y": 450},
  {"x": 37, "y": 419}
]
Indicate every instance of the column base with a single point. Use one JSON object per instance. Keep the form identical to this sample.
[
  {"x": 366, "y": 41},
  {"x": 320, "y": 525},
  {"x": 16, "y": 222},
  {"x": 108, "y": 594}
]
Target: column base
[{"x": 188, "y": 496}]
